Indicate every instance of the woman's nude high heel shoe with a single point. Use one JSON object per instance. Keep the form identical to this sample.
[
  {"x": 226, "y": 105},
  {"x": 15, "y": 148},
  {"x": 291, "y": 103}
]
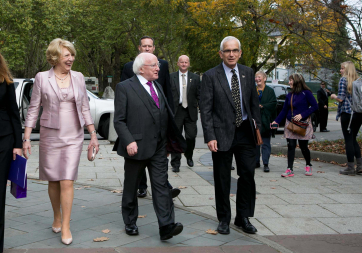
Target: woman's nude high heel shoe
[
  {"x": 56, "y": 230},
  {"x": 67, "y": 241}
]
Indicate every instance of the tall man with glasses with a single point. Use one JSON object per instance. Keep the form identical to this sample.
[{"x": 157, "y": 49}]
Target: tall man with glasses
[
  {"x": 229, "y": 104},
  {"x": 144, "y": 123},
  {"x": 146, "y": 45}
]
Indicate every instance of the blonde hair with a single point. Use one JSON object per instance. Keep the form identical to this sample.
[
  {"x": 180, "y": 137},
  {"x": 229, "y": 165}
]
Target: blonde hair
[
  {"x": 4, "y": 71},
  {"x": 54, "y": 51},
  {"x": 262, "y": 73},
  {"x": 350, "y": 74}
]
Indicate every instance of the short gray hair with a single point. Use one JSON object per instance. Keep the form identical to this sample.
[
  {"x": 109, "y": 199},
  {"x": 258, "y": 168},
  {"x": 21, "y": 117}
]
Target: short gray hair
[
  {"x": 227, "y": 39},
  {"x": 138, "y": 63}
]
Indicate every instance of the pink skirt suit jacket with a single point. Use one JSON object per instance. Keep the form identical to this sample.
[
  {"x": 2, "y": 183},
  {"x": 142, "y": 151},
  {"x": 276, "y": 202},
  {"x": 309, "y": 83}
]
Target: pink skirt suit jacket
[{"x": 65, "y": 113}]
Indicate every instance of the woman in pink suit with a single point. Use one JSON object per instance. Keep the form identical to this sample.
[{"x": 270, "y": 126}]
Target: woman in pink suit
[{"x": 62, "y": 94}]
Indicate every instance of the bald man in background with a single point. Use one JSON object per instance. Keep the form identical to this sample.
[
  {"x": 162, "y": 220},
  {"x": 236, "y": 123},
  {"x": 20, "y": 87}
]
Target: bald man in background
[{"x": 185, "y": 87}]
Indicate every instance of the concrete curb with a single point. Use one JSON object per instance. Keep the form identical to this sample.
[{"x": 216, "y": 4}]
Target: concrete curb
[{"x": 323, "y": 156}]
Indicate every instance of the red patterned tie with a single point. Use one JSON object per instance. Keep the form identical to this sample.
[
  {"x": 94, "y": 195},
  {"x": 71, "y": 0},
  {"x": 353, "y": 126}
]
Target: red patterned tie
[{"x": 153, "y": 94}]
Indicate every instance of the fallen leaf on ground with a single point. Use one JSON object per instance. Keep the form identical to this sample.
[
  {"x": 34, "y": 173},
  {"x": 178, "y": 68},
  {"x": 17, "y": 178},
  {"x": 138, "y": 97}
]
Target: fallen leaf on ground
[
  {"x": 79, "y": 188},
  {"x": 82, "y": 206},
  {"x": 86, "y": 187},
  {"x": 273, "y": 188},
  {"x": 100, "y": 239},
  {"x": 211, "y": 198},
  {"x": 117, "y": 191},
  {"x": 319, "y": 171},
  {"x": 211, "y": 232},
  {"x": 142, "y": 216},
  {"x": 100, "y": 158},
  {"x": 232, "y": 195},
  {"x": 175, "y": 175},
  {"x": 106, "y": 231},
  {"x": 273, "y": 180},
  {"x": 90, "y": 179},
  {"x": 182, "y": 187}
]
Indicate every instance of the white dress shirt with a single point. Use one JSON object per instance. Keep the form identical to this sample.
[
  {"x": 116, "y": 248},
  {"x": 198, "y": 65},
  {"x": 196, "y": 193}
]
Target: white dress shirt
[
  {"x": 180, "y": 82},
  {"x": 144, "y": 81},
  {"x": 229, "y": 75}
]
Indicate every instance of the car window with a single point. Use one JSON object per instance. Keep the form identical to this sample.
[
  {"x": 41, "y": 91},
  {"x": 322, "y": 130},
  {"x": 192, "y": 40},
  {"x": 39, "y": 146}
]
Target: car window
[
  {"x": 280, "y": 92},
  {"x": 16, "y": 84}
]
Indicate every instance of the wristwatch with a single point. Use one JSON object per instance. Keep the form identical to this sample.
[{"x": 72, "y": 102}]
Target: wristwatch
[
  {"x": 24, "y": 140},
  {"x": 94, "y": 131}
]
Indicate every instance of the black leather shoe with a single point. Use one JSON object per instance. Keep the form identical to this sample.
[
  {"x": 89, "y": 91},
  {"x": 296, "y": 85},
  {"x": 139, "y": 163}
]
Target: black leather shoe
[
  {"x": 131, "y": 229},
  {"x": 223, "y": 228},
  {"x": 142, "y": 193},
  {"x": 175, "y": 192},
  {"x": 175, "y": 169},
  {"x": 257, "y": 165},
  {"x": 325, "y": 131},
  {"x": 245, "y": 225},
  {"x": 190, "y": 163},
  {"x": 266, "y": 168},
  {"x": 169, "y": 231}
]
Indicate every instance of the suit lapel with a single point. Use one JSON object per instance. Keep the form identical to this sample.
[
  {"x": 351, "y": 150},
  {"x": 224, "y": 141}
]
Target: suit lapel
[
  {"x": 53, "y": 83},
  {"x": 142, "y": 93},
  {"x": 75, "y": 86},
  {"x": 224, "y": 83},
  {"x": 189, "y": 83},
  {"x": 242, "y": 79},
  {"x": 177, "y": 82}
]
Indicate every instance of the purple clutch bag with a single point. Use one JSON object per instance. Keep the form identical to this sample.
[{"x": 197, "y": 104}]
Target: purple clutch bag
[{"x": 17, "y": 191}]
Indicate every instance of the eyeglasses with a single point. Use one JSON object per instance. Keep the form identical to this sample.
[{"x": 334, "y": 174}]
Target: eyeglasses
[
  {"x": 153, "y": 65},
  {"x": 235, "y": 51}
]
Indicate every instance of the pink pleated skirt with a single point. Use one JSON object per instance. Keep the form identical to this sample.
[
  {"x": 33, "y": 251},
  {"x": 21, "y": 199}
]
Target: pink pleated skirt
[{"x": 60, "y": 149}]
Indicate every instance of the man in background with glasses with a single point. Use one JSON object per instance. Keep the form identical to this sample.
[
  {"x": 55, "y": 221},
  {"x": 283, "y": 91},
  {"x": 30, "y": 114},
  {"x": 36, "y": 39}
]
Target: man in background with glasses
[
  {"x": 229, "y": 104},
  {"x": 146, "y": 45}
]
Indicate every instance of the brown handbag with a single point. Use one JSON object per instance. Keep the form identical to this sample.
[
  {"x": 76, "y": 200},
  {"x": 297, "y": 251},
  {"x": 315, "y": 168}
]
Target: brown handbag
[
  {"x": 296, "y": 126},
  {"x": 259, "y": 140}
]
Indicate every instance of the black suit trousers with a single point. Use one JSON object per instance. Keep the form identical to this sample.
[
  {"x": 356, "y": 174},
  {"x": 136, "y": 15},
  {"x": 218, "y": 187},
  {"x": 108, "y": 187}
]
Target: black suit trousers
[
  {"x": 6, "y": 155},
  {"x": 243, "y": 148},
  {"x": 323, "y": 117},
  {"x": 184, "y": 121},
  {"x": 161, "y": 195}
]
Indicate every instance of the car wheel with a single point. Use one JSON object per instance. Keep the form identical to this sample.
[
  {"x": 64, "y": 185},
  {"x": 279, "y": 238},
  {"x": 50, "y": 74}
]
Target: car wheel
[
  {"x": 104, "y": 128},
  {"x": 314, "y": 122}
]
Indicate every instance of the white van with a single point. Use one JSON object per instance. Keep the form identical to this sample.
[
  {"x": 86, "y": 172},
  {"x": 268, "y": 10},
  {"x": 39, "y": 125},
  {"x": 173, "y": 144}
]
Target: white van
[{"x": 92, "y": 84}]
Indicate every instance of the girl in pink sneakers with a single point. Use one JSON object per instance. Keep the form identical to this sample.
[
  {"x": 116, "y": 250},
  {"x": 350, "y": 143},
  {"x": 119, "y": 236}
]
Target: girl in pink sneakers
[{"x": 303, "y": 105}]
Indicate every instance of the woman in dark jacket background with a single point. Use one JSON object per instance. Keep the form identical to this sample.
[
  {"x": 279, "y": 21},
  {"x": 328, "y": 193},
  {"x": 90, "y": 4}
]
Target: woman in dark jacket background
[
  {"x": 304, "y": 104},
  {"x": 268, "y": 111},
  {"x": 10, "y": 136}
]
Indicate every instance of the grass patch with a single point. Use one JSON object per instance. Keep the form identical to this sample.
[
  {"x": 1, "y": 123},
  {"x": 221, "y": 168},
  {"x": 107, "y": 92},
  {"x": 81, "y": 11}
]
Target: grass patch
[{"x": 336, "y": 146}]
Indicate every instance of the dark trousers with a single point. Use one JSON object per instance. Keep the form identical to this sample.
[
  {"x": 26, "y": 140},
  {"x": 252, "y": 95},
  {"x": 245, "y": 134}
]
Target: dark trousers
[
  {"x": 243, "y": 148},
  {"x": 323, "y": 118},
  {"x": 6, "y": 155},
  {"x": 292, "y": 144},
  {"x": 183, "y": 121},
  {"x": 352, "y": 148},
  {"x": 161, "y": 195},
  {"x": 143, "y": 181}
]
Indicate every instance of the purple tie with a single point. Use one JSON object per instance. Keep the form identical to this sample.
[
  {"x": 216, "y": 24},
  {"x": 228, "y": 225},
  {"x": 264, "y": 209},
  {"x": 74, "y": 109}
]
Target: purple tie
[{"x": 153, "y": 94}]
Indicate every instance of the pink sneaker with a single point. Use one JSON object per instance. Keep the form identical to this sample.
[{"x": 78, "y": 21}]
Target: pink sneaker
[
  {"x": 288, "y": 173},
  {"x": 308, "y": 171}
]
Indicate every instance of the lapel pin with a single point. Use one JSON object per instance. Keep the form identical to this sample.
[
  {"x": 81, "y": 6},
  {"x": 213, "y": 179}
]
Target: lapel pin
[
  {"x": 242, "y": 76},
  {"x": 190, "y": 80}
]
